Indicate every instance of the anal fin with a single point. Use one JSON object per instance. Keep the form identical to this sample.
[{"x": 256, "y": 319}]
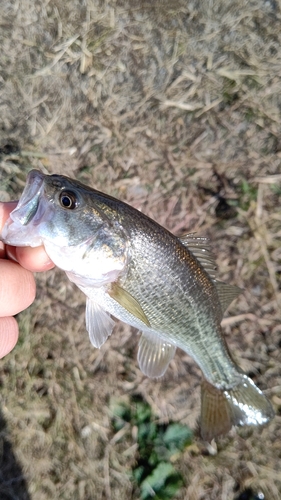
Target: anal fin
[
  {"x": 98, "y": 323},
  {"x": 154, "y": 355}
]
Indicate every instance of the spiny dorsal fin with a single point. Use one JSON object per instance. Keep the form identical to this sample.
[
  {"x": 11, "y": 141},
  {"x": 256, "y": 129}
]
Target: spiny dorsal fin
[
  {"x": 154, "y": 355},
  {"x": 126, "y": 300},
  {"x": 199, "y": 248},
  {"x": 227, "y": 293},
  {"x": 98, "y": 323}
]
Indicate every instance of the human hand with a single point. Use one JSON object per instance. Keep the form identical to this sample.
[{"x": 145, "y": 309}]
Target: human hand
[{"x": 17, "y": 285}]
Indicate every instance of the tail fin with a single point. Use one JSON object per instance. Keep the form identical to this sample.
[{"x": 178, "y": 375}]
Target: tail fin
[{"x": 244, "y": 404}]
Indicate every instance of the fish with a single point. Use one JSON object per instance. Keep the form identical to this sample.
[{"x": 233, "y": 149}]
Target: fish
[{"x": 132, "y": 269}]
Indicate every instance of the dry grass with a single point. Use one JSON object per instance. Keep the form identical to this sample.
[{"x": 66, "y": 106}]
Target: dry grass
[{"x": 174, "y": 107}]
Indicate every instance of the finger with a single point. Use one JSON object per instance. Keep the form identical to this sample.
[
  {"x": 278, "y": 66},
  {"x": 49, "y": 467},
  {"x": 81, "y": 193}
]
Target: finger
[
  {"x": 17, "y": 288},
  {"x": 5, "y": 210},
  {"x": 9, "y": 333},
  {"x": 33, "y": 259}
]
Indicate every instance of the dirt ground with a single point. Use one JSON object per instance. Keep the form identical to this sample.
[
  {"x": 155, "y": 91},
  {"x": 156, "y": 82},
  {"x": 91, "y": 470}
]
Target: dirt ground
[{"x": 174, "y": 107}]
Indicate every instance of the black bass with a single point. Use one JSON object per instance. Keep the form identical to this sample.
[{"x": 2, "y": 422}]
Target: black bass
[{"x": 133, "y": 269}]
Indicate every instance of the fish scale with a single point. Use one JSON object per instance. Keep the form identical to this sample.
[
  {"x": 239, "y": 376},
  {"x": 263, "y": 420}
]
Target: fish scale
[{"x": 181, "y": 296}]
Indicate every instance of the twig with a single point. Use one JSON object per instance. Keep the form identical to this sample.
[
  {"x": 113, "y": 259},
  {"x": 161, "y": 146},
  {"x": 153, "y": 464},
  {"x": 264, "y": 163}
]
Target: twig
[
  {"x": 182, "y": 105},
  {"x": 106, "y": 473},
  {"x": 236, "y": 319}
]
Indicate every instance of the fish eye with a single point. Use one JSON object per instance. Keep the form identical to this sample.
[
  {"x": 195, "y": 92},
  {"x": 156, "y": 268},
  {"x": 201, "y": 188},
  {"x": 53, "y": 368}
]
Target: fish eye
[{"x": 68, "y": 200}]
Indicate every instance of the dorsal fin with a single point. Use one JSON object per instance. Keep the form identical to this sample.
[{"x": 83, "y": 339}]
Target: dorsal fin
[
  {"x": 199, "y": 248},
  {"x": 227, "y": 293}
]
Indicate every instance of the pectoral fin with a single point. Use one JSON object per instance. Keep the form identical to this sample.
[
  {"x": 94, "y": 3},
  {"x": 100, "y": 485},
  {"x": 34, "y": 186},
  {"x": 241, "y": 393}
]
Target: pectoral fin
[
  {"x": 98, "y": 323},
  {"x": 154, "y": 355},
  {"x": 126, "y": 300}
]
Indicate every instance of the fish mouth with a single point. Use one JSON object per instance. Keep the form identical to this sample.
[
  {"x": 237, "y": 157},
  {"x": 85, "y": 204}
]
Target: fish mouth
[
  {"x": 17, "y": 230},
  {"x": 29, "y": 200}
]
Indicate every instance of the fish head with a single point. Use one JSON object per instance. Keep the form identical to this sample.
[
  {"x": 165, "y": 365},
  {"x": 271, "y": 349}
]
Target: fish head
[
  {"x": 60, "y": 213},
  {"x": 50, "y": 208}
]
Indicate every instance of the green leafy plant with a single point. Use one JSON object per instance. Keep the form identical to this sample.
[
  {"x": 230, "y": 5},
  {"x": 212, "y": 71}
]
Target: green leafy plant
[
  {"x": 248, "y": 193},
  {"x": 158, "y": 447}
]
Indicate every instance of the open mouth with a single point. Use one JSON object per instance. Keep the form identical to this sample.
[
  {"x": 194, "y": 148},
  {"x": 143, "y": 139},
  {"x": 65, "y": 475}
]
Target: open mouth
[
  {"x": 29, "y": 200},
  {"x": 22, "y": 227}
]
